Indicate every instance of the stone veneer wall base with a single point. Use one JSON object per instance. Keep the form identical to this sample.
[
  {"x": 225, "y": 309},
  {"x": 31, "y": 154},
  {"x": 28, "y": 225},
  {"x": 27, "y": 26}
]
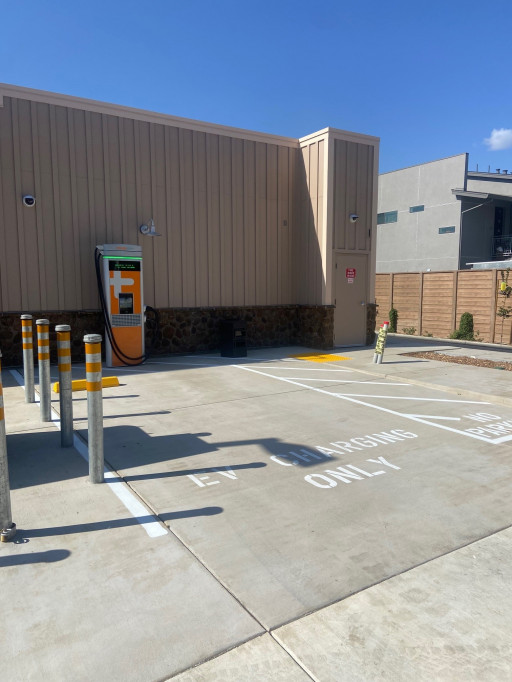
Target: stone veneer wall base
[{"x": 185, "y": 330}]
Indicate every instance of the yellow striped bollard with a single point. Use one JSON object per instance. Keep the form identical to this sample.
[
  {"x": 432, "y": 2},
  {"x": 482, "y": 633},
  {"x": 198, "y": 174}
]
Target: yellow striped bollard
[
  {"x": 28, "y": 358},
  {"x": 43, "y": 357},
  {"x": 94, "y": 406},
  {"x": 65, "y": 389},
  {"x": 7, "y": 527}
]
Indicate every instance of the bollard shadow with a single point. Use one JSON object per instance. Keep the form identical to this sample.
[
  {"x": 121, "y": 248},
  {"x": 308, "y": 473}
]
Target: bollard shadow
[
  {"x": 126, "y": 414},
  {"x": 95, "y": 526},
  {"x": 47, "y": 557}
]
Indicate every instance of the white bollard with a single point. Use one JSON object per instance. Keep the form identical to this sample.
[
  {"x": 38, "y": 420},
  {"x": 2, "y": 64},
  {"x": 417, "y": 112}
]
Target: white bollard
[
  {"x": 43, "y": 357},
  {"x": 28, "y": 357},
  {"x": 94, "y": 406},
  {"x": 65, "y": 388}
]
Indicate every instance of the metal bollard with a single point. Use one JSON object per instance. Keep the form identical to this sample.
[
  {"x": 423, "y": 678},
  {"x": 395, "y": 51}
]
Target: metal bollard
[
  {"x": 43, "y": 356},
  {"x": 28, "y": 358},
  {"x": 381, "y": 343},
  {"x": 65, "y": 390},
  {"x": 94, "y": 406},
  {"x": 7, "y": 527}
]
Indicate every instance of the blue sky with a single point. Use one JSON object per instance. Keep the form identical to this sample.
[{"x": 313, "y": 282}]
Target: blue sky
[{"x": 431, "y": 79}]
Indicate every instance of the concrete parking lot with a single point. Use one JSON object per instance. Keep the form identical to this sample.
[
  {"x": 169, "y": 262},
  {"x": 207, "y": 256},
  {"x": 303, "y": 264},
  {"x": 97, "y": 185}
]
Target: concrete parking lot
[{"x": 289, "y": 515}]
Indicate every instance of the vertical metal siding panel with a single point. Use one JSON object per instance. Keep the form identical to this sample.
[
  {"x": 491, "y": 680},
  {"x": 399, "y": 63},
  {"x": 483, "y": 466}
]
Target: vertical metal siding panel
[
  {"x": 18, "y": 190},
  {"x": 283, "y": 242},
  {"x": 200, "y": 218},
  {"x": 98, "y": 170},
  {"x": 66, "y": 240},
  {"x": 213, "y": 222},
  {"x": 174, "y": 219},
  {"x": 144, "y": 203},
  {"x": 320, "y": 246},
  {"x": 312, "y": 265},
  {"x": 50, "y": 283},
  {"x": 9, "y": 254},
  {"x": 30, "y": 216},
  {"x": 187, "y": 215},
  {"x": 226, "y": 221},
  {"x": 89, "y": 151},
  {"x": 264, "y": 265},
  {"x": 76, "y": 252},
  {"x": 361, "y": 227},
  {"x": 159, "y": 245},
  {"x": 114, "y": 176},
  {"x": 340, "y": 211},
  {"x": 303, "y": 274},
  {"x": 123, "y": 181},
  {"x": 132, "y": 225},
  {"x": 86, "y": 244},
  {"x": 371, "y": 210},
  {"x": 261, "y": 255},
  {"x": 55, "y": 235},
  {"x": 249, "y": 223},
  {"x": 106, "y": 180},
  {"x": 351, "y": 196},
  {"x": 238, "y": 221},
  {"x": 287, "y": 293}
]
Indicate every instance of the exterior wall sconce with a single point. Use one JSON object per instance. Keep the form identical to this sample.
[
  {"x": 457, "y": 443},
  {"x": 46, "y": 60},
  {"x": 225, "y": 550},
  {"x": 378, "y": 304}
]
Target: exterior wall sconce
[{"x": 149, "y": 230}]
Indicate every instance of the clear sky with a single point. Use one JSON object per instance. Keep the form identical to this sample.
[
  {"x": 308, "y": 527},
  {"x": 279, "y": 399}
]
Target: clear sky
[{"x": 430, "y": 78}]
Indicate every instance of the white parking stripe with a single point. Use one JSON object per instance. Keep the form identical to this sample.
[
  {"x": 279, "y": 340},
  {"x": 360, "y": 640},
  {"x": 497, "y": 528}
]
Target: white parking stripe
[
  {"x": 153, "y": 528},
  {"x": 420, "y": 420},
  {"x": 399, "y": 397},
  {"x": 350, "y": 381}
]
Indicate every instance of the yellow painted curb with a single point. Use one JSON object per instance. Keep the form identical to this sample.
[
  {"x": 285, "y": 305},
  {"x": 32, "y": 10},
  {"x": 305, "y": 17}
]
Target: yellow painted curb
[
  {"x": 320, "y": 357},
  {"x": 80, "y": 384}
]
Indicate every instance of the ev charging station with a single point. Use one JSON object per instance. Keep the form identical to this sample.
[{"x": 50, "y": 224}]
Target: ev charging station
[{"x": 119, "y": 272}]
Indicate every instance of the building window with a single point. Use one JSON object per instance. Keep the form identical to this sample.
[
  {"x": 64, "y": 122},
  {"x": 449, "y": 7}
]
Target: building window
[
  {"x": 389, "y": 217},
  {"x": 445, "y": 230},
  {"x": 416, "y": 209}
]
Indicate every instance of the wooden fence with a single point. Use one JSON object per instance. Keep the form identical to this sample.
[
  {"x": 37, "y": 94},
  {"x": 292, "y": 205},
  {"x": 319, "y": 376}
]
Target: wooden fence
[{"x": 433, "y": 302}]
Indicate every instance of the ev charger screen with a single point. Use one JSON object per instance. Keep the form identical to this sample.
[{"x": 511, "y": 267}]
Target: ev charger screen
[{"x": 126, "y": 304}]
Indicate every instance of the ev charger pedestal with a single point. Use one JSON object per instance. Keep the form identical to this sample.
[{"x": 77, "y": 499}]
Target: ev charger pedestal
[{"x": 121, "y": 271}]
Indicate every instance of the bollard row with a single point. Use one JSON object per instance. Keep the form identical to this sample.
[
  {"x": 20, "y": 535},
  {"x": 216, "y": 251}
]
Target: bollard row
[{"x": 93, "y": 384}]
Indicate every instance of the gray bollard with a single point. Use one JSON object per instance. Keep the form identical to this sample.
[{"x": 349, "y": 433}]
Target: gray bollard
[
  {"x": 7, "y": 527},
  {"x": 43, "y": 357},
  {"x": 65, "y": 388},
  {"x": 94, "y": 406},
  {"x": 28, "y": 358}
]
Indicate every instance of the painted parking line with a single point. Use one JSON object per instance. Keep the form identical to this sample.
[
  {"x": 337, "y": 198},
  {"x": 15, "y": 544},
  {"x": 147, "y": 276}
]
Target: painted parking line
[
  {"x": 153, "y": 528},
  {"x": 350, "y": 381},
  {"x": 489, "y": 425}
]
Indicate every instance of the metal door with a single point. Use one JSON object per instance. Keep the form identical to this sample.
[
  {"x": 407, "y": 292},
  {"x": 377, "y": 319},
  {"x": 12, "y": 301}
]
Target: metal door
[{"x": 351, "y": 287}]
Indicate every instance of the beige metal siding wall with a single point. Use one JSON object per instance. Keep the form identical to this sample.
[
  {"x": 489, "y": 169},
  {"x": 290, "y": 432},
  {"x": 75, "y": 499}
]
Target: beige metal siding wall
[
  {"x": 353, "y": 193},
  {"x": 310, "y": 233},
  {"x": 224, "y": 206}
]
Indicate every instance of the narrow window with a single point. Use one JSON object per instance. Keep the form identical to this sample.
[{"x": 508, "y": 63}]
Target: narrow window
[
  {"x": 445, "y": 230},
  {"x": 416, "y": 209},
  {"x": 388, "y": 217}
]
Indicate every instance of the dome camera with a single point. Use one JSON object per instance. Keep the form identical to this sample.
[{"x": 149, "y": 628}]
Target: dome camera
[
  {"x": 353, "y": 217},
  {"x": 29, "y": 200}
]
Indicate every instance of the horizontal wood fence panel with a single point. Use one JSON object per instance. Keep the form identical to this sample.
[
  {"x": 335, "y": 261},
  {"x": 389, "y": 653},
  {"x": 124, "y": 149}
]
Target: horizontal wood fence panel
[{"x": 433, "y": 302}]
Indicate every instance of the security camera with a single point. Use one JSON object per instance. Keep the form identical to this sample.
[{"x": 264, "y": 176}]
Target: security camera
[
  {"x": 29, "y": 200},
  {"x": 353, "y": 217}
]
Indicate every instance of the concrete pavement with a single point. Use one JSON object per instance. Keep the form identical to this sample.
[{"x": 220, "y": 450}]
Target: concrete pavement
[{"x": 317, "y": 520}]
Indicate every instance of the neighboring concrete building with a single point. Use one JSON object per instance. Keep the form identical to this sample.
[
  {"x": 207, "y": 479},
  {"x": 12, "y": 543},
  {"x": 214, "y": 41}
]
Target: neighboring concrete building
[
  {"x": 440, "y": 216},
  {"x": 252, "y": 225}
]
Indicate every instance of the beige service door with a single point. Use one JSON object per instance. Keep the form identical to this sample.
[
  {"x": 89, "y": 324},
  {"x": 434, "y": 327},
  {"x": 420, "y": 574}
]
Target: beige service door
[{"x": 350, "y": 298}]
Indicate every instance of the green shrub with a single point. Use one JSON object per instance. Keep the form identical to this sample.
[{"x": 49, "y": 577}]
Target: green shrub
[
  {"x": 465, "y": 330},
  {"x": 393, "y": 320},
  {"x": 409, "y": 330}
]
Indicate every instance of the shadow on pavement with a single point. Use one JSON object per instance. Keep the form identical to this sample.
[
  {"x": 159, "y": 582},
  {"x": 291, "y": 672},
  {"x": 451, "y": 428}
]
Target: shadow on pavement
[{"x": 34, "y": 558}]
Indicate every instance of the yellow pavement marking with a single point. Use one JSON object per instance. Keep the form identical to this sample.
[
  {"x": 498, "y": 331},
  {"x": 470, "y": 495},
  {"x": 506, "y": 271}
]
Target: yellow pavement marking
[
  {"x": 320, "y": 357},
  {"x": 81, "y": 384}
]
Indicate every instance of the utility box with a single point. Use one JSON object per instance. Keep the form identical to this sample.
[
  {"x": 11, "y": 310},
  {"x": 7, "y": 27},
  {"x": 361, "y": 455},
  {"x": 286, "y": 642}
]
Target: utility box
[{"x": 233, "y": 339}]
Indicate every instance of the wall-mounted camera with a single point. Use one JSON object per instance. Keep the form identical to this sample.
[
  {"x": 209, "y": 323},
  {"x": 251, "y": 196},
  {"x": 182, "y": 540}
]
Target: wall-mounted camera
[
  {"x": 29, "y": 200},
  {"x": 353, "y": 217}
]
